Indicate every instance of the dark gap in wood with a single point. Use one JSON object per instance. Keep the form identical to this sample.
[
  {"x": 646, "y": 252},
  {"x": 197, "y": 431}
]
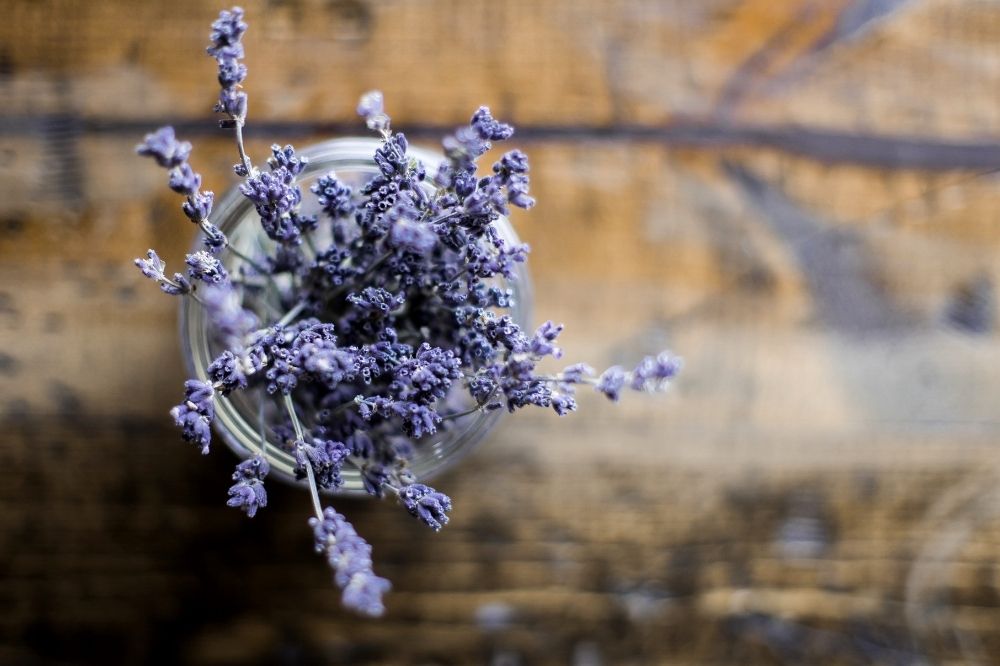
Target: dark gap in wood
[{"x": 827, "y": 146}]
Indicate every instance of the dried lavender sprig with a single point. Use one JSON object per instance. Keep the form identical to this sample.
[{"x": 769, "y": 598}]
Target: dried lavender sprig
[
  {"x": 227, "y": 49},
  {"x": 347, "y": 553},
  {"x": 163, "y": 146},
  {"x": 350, "y": 558},
  {"x": 652, "y": 374},
  {"x": 153, "y": 268}
]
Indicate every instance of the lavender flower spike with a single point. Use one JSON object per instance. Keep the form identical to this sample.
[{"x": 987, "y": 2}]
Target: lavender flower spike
[
  {"x": 350, "y": 558},
  {"x": 227, "y": 49},
  {"x": 610, "y": 383}
]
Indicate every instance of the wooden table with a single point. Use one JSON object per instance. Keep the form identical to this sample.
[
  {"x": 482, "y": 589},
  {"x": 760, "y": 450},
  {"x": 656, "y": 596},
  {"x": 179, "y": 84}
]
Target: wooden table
[{"x": 800, "y": 197}]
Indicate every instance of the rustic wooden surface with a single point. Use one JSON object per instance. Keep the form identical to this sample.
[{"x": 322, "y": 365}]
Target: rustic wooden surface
[{"x": 799, "y": 196}]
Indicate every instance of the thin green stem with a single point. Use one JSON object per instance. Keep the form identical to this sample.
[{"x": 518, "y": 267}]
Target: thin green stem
[
  {"x": 260, "y": 429},
  {"x": 475, "y": 409},
  {"x": 291, "y": 314},
  {"x": 239, "y": 145},
  {"x": 562, "y": 378},
  {"x": 462, "y": 272},
  {"x": 360, "y": 463},
  {"x": 299, "y": 436},
  {"x": 274, "y": 312},
  {"x": 260, "y": 269},
  {"x": 253, "y": 264},
  {"x": 344, "y": 406}
]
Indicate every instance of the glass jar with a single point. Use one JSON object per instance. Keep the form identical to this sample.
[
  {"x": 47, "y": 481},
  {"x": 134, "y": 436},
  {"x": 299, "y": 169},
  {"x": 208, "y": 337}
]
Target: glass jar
[{"x": 239, "y": 418}]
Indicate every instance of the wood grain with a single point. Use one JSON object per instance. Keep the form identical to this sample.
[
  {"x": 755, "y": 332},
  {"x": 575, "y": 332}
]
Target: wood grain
[{"x": 800, "y": 197}]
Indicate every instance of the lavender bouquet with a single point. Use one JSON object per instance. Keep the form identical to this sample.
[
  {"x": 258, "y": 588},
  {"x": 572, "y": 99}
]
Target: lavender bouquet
[{"x": 363, "y": 322}]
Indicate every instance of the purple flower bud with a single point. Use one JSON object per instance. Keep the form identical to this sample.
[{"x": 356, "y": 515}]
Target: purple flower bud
[
  {"x": 286, "y": 157},
  {"x": 326, "y": 459},
  {"x": 333, "y": 196},
  {"x": 488, "y": 128},
  {"x": 227, "y": 370},
  {"x": 364, "y": 594},
  {"x": 214, "y": 239},
  {"x": 545, "y": 336},
  {"x": 426, "y": 505},
  {"x": 194, "y": 416},
  {"x": 231, "y": 71},
  {"x": 227, "y": 31},
  {"x": 283, "y": 375},
  {"x": 376, "y": 301},
  {"x": 574, "y": 374},
  {"x": 177, "y": 285},
  {"x": 152, "y": 267},
  {"x": 513, "y": 161},
  {"x": 203, "y": 266},
  {"x": 655, "y": 372},
  {"x": 391, "y": 156},
  {"x": 184, "y": 180},
  {"x": 374, "y": 477},
  {"x": 198, "y": 206},
  {"x": 248, "y": 492},
  {"x": 563, "y": 404},
  {"x": 163, "y": 146},
  {"x": 361, "y": 445},
  {"x": 517, "y": 191},
  {"x": 412, "y": 237},
  {"x": 610, "y": 382},
  {"x": 232, "y": 102},
  {"x": 372, "y": 109},
  {"x": 371, "y": 103},
  {"x": 276, "y": 196}
]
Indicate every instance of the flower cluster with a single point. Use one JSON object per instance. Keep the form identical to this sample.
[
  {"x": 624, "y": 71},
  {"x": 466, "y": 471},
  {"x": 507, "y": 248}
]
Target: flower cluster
[
  {"x": 365, "y": 325},
  {"x": 227, "y": 49}
]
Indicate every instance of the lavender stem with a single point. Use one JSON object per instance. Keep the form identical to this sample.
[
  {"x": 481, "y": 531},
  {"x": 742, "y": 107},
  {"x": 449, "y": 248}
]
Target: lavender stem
[
  {"x": 239, "y": 146},
  {"x": 253, "y": 264},
  {"x": 291, "y": 314},
  {"x": 310, "y": 476}
]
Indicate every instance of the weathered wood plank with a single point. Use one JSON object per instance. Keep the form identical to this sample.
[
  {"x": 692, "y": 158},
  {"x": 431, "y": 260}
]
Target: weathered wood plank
[
  {"x": 129, "y": 522},
  {"x": 794, "y": 195},
  {"x": 635, "y": 247},
  {"x": 833, "y": 65}
]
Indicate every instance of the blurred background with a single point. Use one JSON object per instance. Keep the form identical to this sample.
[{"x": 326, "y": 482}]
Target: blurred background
[{"x": 800, "y": 197}]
